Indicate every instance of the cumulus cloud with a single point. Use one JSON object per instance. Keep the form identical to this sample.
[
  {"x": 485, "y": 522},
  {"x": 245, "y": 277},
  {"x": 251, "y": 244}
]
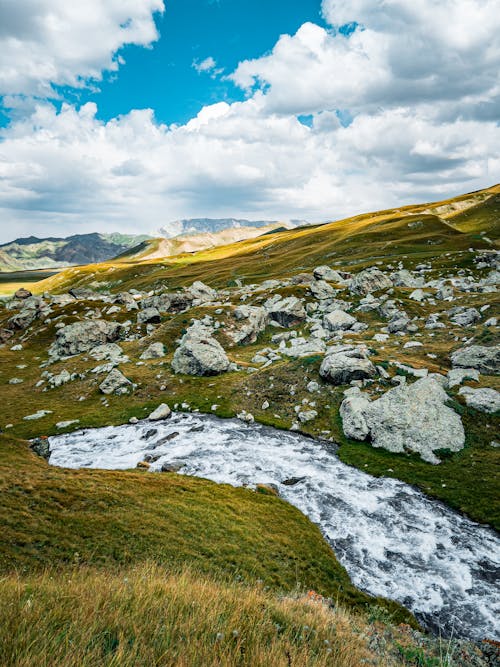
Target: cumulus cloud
[
  {"x": 394, "y": 115},
  {"x": 45, "y": 42}
]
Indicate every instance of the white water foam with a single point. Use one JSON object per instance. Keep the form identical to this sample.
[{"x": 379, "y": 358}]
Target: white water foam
[{"x": 393, "y": 540}]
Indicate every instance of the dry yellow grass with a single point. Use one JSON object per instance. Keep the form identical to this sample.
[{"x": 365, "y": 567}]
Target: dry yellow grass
[{"x": 146, "y": 616}]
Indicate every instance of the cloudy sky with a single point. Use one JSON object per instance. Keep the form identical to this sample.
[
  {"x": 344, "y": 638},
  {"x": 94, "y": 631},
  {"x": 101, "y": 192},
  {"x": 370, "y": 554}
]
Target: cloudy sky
[{"x": 122, "y": 115}]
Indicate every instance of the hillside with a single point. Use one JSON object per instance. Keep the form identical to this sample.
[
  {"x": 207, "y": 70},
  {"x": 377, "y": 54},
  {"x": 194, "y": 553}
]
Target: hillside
[
  {"x": 36, "y": 253},
  {"x": 371, "y": 341},
  {"x": 195, "y": 226}
]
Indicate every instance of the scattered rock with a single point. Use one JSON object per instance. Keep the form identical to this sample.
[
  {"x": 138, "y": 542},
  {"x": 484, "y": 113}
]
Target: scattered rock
[
  {"x": 254, "y": 320},
  {"x": 116, "y": 383},
  {"x": 154, "y": 351},
  {"x": 149, "y": 316},
  {"x": 322, "y": 290},
  {"x": 83, "y": 336},
  {"x": 202, "y": 293},
  {"x": 41, "y": 447},
  {"x": 457, "y": 375},
  {"x": 326, "y": 273},
  {"x": 37, "y": 415},
  {"x": 484, "y": 399},
  {"x": 338, "y": 320},
  {"x": 352, "y": 411},
  {"x": 369, "y": 280},
  {"x": 161, "y": 412},
  {"x": 412, "y": 418},
  {"x": 199, "y": 354},
  {"x": 344, "y": 363},
  {"x": 287, "y": 311},
  {"x": 22, "y": 293},
  {"x": 484, "y": 359}
]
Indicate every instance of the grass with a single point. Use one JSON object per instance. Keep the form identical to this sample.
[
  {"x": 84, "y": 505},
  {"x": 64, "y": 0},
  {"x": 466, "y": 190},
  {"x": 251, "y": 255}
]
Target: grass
[
  {"x": 150, "y": 615},
  {"x": 106, "y": 518}
]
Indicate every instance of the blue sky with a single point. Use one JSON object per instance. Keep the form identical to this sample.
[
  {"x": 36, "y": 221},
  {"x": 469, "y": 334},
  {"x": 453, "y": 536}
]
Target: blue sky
[
  {"x": 229, "y": 31},
  {"x": 308, "y": 109}
]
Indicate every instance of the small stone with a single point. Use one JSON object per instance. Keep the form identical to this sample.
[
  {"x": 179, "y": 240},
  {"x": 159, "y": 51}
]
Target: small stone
[{"x": 161, "y": 412}]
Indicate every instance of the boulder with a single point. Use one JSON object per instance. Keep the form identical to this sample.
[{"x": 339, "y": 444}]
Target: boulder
[
  {"x": 253, "y": 320},
  {"x": 199, "y": 354},
  {"x": 464, "y": 317},
  {"x": 484, "y": 359},
  {"x": 162, "y": 302},
  {"x": 202, "y": 293},
  {"x": 344, "y": 363},
  {"x": 322, "y": 290},
  {"x": 457, "y": 375},
  {"x": 338, "y": 320},
  {"x": 161, "y": 412},
  {"x": 22, "y": 293},
  {"x": 149, "y": 316},
  {"x": 352, "y": 411},
  {"x": 287, "y": 311},
  {"x": 23, "y": 318},
  {"x": 116, "y": 383},
  {"x": 86, "y": 294},
  {"x": 83, "y": 336},
  {"x": 326, "y": 273},
  {"x": 154, "y": 351},
  {"x": 415, "y": 418},
  {"x": 300, "y": 347},
  {"x": 110, "y": 351},
  {"x": 126, "y": 299},
  {"x": 369, "y": 280},
  {"x": 404, "y": 278},
  {"x": 484, "y": 399}
]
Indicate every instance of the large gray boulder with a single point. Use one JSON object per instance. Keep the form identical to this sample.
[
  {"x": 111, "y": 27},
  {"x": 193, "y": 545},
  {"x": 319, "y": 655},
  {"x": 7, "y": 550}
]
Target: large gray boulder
[
  {"x": 116, "y": 383},
  {"x": 199, "y": 354},
  {"x": 162, "y": 302},
  {"x": 23, "y": 318},
  {"x": 83, "y": 336},
  {"x": 126, "y": 299},
  {"x": 322, "y": 290},
  {"x": 484, "y": 359},
  {"x": 325, "y": 272},
  {"x": 154, "y": 351},
  {"x": 404, "y": 278},
  {"x": 149, "y": 316},
  {"x": 409, "y": 418},
  {"x": 202, "y": 293},
  {"x": 338, "y": 320},
  {"x": 484, "y": 399},
  {"x": 302, "y": 347},
  {"x": 464, "y": 317},
  {"x": 253, "y": 321},
  {"x": 287, "y": 311},
  {"x": 352, "y": 412},
  {"x": 369, "y": 280},
  {"x": 344, "y": 363}
]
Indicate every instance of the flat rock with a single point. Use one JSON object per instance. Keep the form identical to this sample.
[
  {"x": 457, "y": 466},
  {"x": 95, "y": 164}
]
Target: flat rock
[
  {"x": 484, "y": 359},
  {"x": 161, "y": 412},
  {"x": 369, "y": 280},
  {"x": 83, "y": 336},
  {"x": 484, "y": 399},
  {"x": 116, "y": 383},
  {"x": 338, "y": 320},
  {"x": 344, "y": 363}
]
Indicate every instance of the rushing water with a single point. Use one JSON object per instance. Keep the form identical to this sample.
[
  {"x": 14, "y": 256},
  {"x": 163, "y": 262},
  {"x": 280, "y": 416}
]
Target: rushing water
[{"x": 393, "y": 540}]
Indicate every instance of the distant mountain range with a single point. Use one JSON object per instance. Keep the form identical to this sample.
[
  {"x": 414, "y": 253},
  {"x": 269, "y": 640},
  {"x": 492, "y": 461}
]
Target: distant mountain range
[
  {"x": 35, "y": 253},
  {"x": 211, "y": 225}
]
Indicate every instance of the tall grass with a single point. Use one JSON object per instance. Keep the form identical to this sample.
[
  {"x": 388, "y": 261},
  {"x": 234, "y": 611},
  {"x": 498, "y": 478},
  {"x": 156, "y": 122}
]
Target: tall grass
[{"x": 147, "y": 617}]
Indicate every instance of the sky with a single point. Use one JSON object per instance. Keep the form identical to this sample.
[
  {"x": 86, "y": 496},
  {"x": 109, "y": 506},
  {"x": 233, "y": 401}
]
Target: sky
[{"x": 123, "y": 115}]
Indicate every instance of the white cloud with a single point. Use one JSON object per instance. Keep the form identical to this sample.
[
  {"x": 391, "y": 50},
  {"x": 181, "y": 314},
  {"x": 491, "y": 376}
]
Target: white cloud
[
  {"x": 65, "y": 42},
  {"x": 204, "y": 65},
  {"x": 423, "y": 127}
]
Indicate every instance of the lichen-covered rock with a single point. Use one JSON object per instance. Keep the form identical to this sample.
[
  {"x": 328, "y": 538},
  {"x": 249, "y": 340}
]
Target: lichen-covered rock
[
  {"x": 202, "y": 293},
  {"x": 415, "y": 418},
  {"x": 301, "y": 347},
  {"x": 338, "y": 320},
  {"x": 199, "y": 354},
  {"x": 369, "y": 280},
  {"x": 327, "y": 273},
  {"x": 484, "y": 399},
  {"x": 287, "y": 311},
  {"x": 126, "y": 299},
  {"x": 23, "y": 318},
  {"x": 464, "y": 317},
  {"x": 149, "y": 316},
  {"x": 322, "y": 290},
  {"x": 162, "y": 302},
  {"x": 457, "y": 375},
  {"x": 22, "y": 293},
  {"x": 404, "y": 278},
  {"x": 116, "y": 383},
  {"x": 352, "y": 411},
  {"x": 110, "y": 351},
  {"x": 253, "y": 320},
  {"x": 344, "y": 363},
  {"x": 154, "y": 351},
  {"x": 484, "y": 359},
  {"x": 83, "y": 336},
  {"x": 161, "y": 412}
]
